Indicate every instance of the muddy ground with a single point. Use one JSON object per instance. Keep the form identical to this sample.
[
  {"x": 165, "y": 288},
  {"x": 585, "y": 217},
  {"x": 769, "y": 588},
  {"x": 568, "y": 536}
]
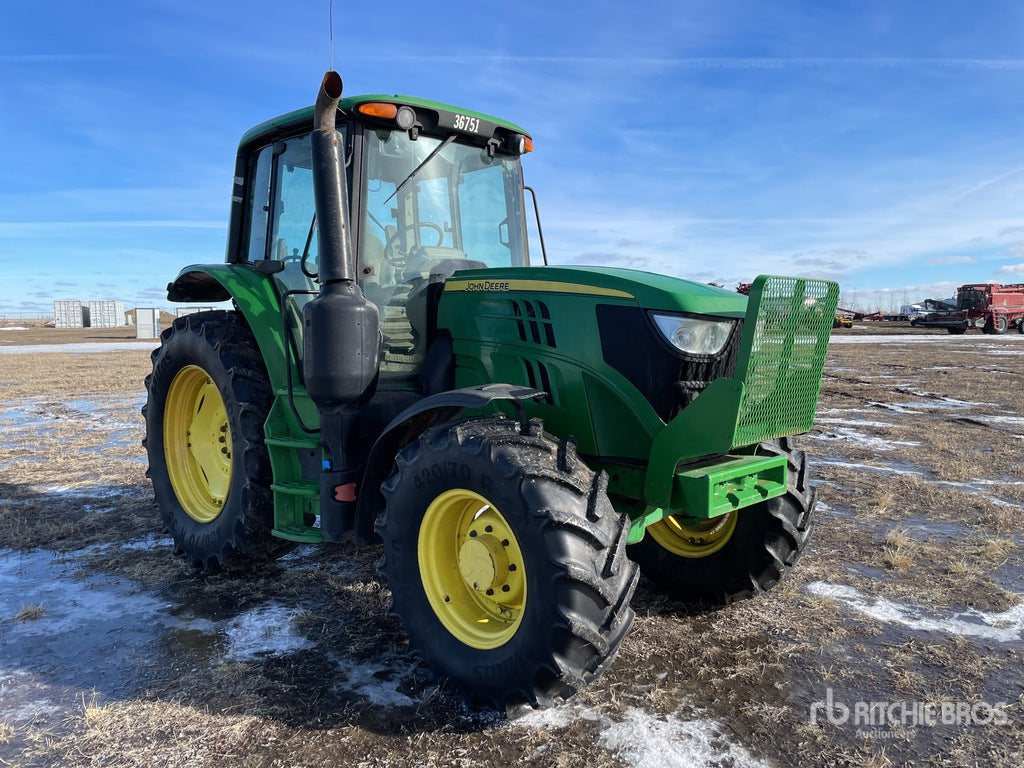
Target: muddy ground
[{"x": 114, "y": 652}]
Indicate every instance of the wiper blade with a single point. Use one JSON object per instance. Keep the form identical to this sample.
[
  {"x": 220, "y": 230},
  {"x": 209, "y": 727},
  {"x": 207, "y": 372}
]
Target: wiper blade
[{"x": 419, "y": 167}]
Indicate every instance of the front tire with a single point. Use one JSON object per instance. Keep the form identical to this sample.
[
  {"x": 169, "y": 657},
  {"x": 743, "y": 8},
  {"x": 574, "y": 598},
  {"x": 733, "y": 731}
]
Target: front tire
[
  {"x": 208, "y": 397},
  {"x": 506, "y": 561},
  {"x": 737, "y": 555}
]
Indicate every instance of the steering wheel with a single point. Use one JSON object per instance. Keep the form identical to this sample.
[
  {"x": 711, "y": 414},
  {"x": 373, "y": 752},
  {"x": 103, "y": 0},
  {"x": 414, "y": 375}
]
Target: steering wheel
[{"x": 390, "y": 253}]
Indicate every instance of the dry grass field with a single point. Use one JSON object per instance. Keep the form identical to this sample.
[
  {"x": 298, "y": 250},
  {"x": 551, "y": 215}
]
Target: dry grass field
[{"x": 114, "y": 652}]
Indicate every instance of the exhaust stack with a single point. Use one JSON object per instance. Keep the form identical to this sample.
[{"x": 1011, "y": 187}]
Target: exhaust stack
[
  {"x": 330, "y": 192},
  {"x": 341, "y": 337}
]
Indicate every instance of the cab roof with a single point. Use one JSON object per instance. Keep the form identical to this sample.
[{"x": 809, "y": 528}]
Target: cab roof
[{"x": 270, "y": 129}]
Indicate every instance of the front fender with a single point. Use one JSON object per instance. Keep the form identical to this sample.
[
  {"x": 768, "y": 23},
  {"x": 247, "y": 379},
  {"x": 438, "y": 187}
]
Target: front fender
[{"x": 410, "y": 424}]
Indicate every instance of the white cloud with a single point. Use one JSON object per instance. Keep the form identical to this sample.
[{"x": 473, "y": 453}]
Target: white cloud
[{"x": 1011, "y": 269}]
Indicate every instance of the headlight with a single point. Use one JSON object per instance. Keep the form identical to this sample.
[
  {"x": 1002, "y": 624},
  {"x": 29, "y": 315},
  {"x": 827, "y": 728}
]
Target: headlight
[{"x": 692, "y": 336}]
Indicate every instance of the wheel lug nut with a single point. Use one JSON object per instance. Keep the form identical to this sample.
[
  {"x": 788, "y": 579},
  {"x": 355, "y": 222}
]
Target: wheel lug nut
[
  {"x": 488, "y": 529},
  {"x": 490, "y": 592},
  {"x": 504, "y": 542},
  {"x": 511, "y": 566},
  {"x": 505, "y": 588},
  {"x": 472, "y": 534}
]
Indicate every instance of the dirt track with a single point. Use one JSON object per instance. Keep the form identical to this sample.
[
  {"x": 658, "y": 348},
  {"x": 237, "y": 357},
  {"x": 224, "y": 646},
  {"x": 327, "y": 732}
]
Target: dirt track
[{"x": 112, "y": 651}]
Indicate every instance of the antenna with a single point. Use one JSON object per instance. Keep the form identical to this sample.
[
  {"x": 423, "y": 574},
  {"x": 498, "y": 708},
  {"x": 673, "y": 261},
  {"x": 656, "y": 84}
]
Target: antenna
[{"x": 330, "y": 30}]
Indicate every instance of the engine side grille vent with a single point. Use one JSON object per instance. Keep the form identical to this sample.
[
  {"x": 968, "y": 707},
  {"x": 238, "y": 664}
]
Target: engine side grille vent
[
  {"x": 533, "y": 320},
  {"x": 538, "y": 377}
]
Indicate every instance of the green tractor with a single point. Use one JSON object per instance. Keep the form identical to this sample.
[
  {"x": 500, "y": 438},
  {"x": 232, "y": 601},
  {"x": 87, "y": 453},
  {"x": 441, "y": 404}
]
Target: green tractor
[{"x": 521, "y": 440}]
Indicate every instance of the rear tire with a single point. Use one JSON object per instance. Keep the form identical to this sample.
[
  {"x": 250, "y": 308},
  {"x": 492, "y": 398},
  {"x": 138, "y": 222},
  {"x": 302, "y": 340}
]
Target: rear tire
[
  {"x": 506, "y": 561},
  {"x": 208, "y": 397},
  {"x": 739, "y": 555}
]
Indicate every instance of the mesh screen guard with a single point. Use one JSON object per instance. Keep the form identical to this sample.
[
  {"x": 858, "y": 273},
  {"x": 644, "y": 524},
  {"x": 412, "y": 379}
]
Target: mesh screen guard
[{"x": 781, "y": 356}]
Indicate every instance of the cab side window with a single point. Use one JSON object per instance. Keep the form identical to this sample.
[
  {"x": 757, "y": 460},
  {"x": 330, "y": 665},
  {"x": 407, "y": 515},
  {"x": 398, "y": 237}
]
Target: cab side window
[
  {"x": 259, "y": 204},
  {"x": 293, "y": 236}
]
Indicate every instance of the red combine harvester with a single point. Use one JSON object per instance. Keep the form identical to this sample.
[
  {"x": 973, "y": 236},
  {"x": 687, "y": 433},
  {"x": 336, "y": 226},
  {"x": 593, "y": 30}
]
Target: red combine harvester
[{"x": 992, "y": 307}]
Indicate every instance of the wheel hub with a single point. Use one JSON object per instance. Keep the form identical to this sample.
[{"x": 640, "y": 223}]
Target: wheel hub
[{"x": 483, "y": 563}]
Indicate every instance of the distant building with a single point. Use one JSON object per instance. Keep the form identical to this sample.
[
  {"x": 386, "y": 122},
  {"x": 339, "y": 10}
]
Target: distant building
[
  {"x": 106, "y": 314},
  {"x": 72, "y": 313},
  {"x": 68, "y": 314},
  {"x": 147, "y": 323}
]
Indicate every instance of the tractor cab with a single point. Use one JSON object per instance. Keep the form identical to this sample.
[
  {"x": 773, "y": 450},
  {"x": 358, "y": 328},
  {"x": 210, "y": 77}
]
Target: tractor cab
[{"x": 432, "y": 190}]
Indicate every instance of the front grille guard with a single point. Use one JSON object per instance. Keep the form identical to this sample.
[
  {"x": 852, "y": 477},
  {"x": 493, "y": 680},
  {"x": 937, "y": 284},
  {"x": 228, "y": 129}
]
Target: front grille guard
[{"x": 781, "y": 356}]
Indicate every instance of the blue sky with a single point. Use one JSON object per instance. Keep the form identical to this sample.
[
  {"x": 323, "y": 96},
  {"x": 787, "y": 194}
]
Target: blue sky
[{"x": 877, "y": 143}]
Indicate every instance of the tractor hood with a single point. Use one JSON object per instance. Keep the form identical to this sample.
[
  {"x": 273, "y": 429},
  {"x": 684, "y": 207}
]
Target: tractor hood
[{"x": 648, "y": 290}]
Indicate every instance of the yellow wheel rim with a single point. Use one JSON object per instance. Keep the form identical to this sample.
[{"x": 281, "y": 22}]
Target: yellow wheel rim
[
  {"x": 696, "y": 540},
  {"x": 197, "y": 444},
  {"x": 472, "y": 569}
]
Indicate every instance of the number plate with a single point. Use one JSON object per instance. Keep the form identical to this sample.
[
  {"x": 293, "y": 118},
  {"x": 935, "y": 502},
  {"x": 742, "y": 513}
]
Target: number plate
[{"x": 466, "y": 124}]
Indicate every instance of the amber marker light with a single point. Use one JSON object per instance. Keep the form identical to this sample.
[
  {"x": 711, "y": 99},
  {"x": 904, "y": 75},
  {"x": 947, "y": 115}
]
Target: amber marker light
[{"x": 378, "y": 109}]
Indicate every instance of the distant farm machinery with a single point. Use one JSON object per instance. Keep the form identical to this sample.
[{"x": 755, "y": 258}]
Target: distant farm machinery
[{"x": 991, "y": 307}]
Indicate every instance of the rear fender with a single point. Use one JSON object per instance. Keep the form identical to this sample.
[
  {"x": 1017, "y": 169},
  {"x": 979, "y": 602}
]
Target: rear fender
[{"x": 253, "y": 295}]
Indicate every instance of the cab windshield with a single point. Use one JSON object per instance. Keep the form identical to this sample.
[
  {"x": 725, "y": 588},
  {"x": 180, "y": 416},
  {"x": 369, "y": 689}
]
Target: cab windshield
[
  {"x": 430, "y": 201},
  {"x": 972, "y": 298},
  {"x": 430, "y": 207}
]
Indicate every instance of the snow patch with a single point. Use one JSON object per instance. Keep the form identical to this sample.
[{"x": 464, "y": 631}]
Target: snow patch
[
  {"x": 866, "y": 467},
  {"x": 151, "y": 542},
  {"x": 78, "y": 349},
  {"x": 89, "y": 491},
  {"x": 67, "y": 603},
  {"x": 1014, "y": 421},
  {"x": 644, "y": 740},
  {"x": 265, "y": 631},
  {"x": 975, "y": 487},
  {"x": 967, "y": 340},
  {"x": 918, "y": 406},
  {"x": 857, "y": 438},
  {"x": 647, "y": 742},
  {"x": 14, "y": 328},
  {"x": 854, "y": 422},
  {"x": 374, "y": 682},
  {"x": 24, "y": 699},
  {"x": 1006, "y": 626}
]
